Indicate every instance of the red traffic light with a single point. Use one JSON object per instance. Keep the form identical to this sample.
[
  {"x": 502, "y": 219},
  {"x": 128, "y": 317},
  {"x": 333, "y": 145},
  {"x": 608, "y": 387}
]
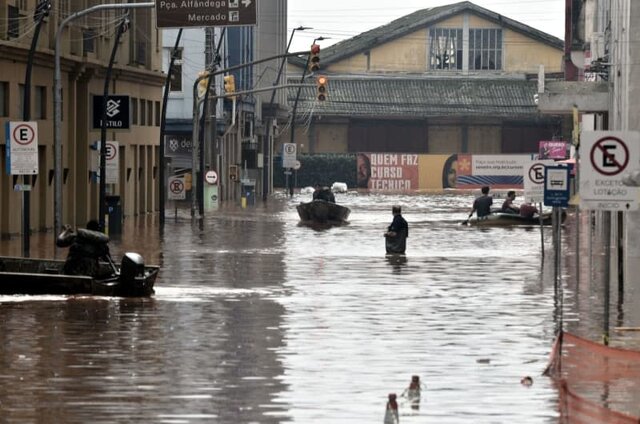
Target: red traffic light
[{"x": 314, "y": 58}]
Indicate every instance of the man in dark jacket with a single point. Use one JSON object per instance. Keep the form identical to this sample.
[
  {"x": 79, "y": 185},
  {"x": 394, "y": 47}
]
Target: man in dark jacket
[
  {"x": 397, "y": 233},
  {"x": 86, "y": 248}
]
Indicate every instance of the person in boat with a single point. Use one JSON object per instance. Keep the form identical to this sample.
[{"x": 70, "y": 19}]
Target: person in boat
[
  {"x": 86, "y": 248},
  {"x": 482, "y": 204},
  {"x": 397, "y": 233},
  {"x": 316, "y": 191},
  {"x": 324, "y": 193},
  {"x": 527, "y": 210},
  {"x": 508, "y": 206}
]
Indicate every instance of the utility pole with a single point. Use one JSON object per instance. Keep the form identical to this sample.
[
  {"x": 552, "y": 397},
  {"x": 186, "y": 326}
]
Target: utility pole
[
  {"x": 122, "y": 28},
  {"x": 57, "y": 104},
  {"x": 196, "y": 181},
  {"x": 42, "y": 11},
  {"x": 163, "y": 124},
  {"x": 295, "y": 104},
  {"x": 266, "y": 145}
]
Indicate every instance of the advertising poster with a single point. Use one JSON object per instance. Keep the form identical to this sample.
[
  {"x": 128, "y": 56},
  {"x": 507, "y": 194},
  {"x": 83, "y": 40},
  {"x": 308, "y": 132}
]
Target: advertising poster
[
  {"x": 496, "y": 171},
  {"x": 553, "y": 150},
  {"x": 438, "y": 172},
  {"x": 387, "y": 171}
]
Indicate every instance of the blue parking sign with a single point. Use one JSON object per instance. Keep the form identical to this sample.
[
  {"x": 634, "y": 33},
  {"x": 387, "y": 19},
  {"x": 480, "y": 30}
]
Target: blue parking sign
[{"x": 556, "y": 186}]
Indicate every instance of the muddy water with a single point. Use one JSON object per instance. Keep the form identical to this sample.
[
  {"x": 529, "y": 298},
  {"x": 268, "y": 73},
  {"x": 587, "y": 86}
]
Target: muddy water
[{"x": 259, "y": 320}]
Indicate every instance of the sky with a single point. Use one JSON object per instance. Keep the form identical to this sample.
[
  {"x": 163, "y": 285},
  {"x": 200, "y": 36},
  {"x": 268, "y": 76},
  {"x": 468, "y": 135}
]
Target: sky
[{"x": 343, "y": 19}]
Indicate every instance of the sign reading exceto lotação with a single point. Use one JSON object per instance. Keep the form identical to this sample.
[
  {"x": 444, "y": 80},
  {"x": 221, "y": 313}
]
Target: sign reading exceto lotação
[{"x": 188, "y": 13}]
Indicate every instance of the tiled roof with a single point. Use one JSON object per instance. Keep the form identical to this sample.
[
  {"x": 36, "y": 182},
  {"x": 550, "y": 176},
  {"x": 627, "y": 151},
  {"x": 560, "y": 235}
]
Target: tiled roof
[
  {"x": 420, "y": 19},
  {"x": 395, "y": 97}
]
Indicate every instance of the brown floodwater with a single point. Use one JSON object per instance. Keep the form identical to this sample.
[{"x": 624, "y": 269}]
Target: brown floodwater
[{"x": 257, "y": 319}]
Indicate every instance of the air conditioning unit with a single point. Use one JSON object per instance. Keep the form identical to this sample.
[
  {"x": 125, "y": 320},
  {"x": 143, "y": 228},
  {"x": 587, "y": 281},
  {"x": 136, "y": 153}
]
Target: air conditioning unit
[{"x": 597, "y": 45}]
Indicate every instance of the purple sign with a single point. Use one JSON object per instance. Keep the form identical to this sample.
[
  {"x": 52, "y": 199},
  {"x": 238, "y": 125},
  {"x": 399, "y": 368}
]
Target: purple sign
[{"x": 553, "y": 150}]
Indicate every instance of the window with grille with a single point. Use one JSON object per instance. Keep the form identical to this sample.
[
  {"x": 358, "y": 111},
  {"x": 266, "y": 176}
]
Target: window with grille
[
  {"x": 13, "y": 21},
  {"x": 40, "y": 111},
  {"x": 134, "y": 111},
  {"x": 143, "y": 112},
  {"x": 149, "y": 113},
  {"x": 445, "y": 48},
  {"x": 88, "y": 41},
  {"x": 157, "y": 113},
  {"x": 485, "y": 49},
  {"x": 4, "y": 98}
]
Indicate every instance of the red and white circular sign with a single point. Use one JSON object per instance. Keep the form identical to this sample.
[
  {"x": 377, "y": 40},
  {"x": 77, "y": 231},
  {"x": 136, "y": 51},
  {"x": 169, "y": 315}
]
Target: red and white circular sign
[{"x": 211, "y": 177}]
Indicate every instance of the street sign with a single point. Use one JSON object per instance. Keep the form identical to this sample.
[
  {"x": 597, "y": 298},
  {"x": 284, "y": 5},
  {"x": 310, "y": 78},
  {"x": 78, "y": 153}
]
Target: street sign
[
  {"x": 608, "y": 157},
  {"x": 534, "y": 180},
  {"x": 117, "y": 112},
  {"x": 289, "y": 155},
  {"x": 22, "y": 148},
  {"x": 556, "y": 186},
  {"x": 176, "y": 189},
  {"x": 211, "y": 177},
  {"x": 196, "y": 13},
  {"x": 112, "y": 163},
  {"x": 297, "y": 165}
]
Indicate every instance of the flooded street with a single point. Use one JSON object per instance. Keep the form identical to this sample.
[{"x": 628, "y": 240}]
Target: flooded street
[{"x": 257, "y": 319}]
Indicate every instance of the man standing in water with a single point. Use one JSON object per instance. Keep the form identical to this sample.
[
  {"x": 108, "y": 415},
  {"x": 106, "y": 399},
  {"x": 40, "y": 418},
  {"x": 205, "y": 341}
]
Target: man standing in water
[{"x": 397, "y": 233}]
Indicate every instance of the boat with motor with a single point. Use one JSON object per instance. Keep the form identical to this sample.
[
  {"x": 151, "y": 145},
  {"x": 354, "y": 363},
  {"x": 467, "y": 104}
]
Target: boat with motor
[{"x": 27, "y": 276}]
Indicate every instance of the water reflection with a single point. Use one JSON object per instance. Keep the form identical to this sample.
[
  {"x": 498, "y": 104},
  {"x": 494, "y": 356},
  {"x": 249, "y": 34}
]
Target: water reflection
[{"x": 259, "y": 319}]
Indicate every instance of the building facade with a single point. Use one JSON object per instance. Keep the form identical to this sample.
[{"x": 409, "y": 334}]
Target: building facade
[
  {"x": 239, "y": 136},
  {"x": 601, "y": 82},
  {"x": 445, "y": 80},
  {"x": 86, "y": 45}
]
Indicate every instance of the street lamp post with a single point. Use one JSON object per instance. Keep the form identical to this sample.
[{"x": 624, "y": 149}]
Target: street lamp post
[
  {"x": 266, "y": 143},
  {"x": 295, "y": 103}
]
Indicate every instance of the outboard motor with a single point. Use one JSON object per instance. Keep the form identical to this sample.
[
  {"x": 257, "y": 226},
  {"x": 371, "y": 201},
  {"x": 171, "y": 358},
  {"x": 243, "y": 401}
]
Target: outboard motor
[{"x": 131, "y": 267}]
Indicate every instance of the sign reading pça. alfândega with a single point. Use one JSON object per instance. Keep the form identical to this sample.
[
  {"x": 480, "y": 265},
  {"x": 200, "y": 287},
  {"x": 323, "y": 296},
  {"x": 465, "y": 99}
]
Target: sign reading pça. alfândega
[
  {"x": 22, "y": 148},
  {"x": 204, "y": 13}
]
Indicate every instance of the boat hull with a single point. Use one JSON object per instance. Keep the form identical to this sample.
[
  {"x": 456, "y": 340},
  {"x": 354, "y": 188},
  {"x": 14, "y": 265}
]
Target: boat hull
[
  {"x": 321, "y": 211},
  {"x": 26, "y": 276},
  {"x": 500, "y": 219}
]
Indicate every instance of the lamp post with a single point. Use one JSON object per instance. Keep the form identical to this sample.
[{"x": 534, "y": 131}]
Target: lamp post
[
  {"x": 295, "y": 103},
  {"x": 266, "y": 143}
]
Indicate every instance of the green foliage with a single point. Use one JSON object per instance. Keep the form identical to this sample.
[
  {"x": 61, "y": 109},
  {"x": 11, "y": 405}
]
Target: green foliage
[{"x": 321, "y": 168}]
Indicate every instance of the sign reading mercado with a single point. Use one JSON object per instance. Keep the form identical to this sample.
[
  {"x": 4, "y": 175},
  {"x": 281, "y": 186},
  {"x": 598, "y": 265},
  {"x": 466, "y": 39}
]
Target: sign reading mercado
[{"x": 201, "y": 13}]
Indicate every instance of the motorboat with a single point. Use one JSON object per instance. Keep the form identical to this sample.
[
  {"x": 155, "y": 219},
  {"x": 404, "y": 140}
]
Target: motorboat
[
  {"x": 322, "y": 212},
  {"x": 27, "y": 276}
]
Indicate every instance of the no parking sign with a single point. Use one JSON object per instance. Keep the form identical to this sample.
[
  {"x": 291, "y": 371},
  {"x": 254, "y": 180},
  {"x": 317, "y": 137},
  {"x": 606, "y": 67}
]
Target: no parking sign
[{"x": 607, "y": 158}]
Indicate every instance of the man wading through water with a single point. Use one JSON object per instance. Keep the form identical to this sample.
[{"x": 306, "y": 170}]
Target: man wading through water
[{"x": 397, "y": 233}]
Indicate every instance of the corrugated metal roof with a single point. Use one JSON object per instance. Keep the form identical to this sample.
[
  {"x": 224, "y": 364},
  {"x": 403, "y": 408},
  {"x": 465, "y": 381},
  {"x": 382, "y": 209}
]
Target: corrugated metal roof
[
  {"x": 420, "y": 19},
  {"x": 420, "y": 98}
]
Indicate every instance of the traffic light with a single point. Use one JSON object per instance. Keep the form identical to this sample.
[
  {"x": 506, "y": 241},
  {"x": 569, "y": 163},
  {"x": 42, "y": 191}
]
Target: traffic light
[
  {"x": 314, "y": 58},
  {"x": 321, "y": 92},
  {"x": 229, "y": 84}
]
